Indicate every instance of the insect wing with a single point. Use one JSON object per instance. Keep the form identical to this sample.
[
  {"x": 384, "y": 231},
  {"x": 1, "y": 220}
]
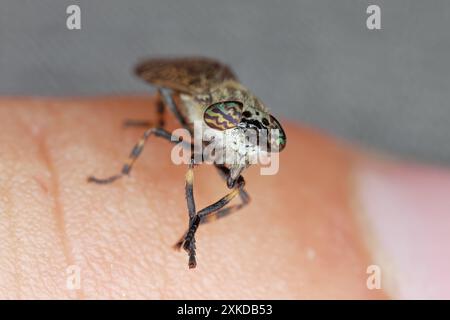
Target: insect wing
[{"x": 188, "y": 75}]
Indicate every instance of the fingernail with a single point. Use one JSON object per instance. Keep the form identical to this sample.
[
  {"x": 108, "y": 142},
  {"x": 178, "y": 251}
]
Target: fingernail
[{"x": 406, "y": 210}]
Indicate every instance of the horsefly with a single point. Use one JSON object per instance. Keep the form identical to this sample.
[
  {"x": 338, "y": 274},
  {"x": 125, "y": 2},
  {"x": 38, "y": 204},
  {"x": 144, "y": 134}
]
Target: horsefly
[{"x": 206, "y": 92}]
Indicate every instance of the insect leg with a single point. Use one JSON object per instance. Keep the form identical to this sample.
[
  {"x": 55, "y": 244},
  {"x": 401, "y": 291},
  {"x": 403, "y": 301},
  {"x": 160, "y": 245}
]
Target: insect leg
[
  {"x": 167, "y": 97},
  {"x": 224, "y": 212},
  {"x": 189, "y": 189},
  {"x": 144, "y": 123},
  {"x": 137, "y": 123},
  {"x": 161, "y": 112},
  {"x": 224, "y": 173},
  {"x": 135, "y": 152},
  {"x": 245, "y": 199},
  {"x": 215, "y": 210}
]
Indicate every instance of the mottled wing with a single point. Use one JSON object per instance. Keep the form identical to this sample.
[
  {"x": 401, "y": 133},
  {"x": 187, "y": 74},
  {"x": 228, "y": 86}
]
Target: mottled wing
[{"x": 189, "y": 75}]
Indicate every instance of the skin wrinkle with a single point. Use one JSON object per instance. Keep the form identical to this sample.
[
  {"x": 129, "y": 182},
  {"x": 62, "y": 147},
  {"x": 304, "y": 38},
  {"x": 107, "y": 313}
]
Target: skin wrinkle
[
  {"x": 54, "y": 193},
  {"x": 50, "y": 189}
]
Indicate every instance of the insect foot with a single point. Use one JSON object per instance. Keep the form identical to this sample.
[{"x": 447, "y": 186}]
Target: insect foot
[
  {"x": 192, "y": 262},
  {"x": 189, "y": 247},
  {"x": 191, "y": 250}
]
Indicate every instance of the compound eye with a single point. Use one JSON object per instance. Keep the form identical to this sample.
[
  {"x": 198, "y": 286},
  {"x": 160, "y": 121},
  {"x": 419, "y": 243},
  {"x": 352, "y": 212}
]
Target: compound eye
[
  {"x": 223, "y": 115},
  {"x": 277, "y": 136}
]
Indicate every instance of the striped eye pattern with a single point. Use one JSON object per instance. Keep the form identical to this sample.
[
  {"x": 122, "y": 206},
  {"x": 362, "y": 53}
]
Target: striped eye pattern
[{"x": 223, "y": 115}]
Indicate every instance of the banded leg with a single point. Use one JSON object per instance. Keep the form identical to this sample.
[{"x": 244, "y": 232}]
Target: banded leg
[
  {"x": 167, "y": 98},
  {"x": 214, "y": 210},
  {"x": 224, "y": 173},
  {"x": 159, "y": 132},
  {"x": 217, "y": 210},
  {"x": 144, "y": 123},
  {"x": 245, "y": 199},
  {"x": 189, "y": 189},
  {"x": 224, "y": 212}
]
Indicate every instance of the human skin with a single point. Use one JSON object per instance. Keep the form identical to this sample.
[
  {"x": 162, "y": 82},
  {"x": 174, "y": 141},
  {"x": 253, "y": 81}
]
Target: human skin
[{"x": 306, "y": 234}]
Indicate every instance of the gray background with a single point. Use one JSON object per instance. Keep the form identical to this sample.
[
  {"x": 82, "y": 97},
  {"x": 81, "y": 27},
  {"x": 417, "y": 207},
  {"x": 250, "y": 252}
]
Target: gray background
[{"x": 314, "y": 61}]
